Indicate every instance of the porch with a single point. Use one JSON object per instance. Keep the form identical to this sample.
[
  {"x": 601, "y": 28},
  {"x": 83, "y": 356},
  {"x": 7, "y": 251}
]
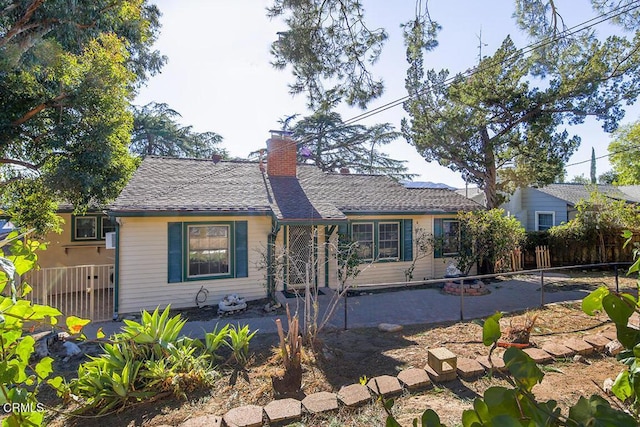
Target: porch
[{"x": 85, "y": 291}]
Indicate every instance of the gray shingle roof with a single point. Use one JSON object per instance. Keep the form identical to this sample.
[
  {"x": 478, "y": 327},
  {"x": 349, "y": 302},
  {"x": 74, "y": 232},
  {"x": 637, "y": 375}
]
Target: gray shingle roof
[
  {"x": 573, "y": 193},
  {"x": 188, "y": 185}
]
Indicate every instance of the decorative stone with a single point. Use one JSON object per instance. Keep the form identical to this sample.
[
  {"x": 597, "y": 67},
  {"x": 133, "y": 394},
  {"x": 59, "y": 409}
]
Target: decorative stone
[
  {"x": 414, "y": 378},
  {"x": 437, "y": 357},
  {"x": 448, "y": 375},
  {"x": 596, "y": 341},
  {"x": 386, "y": 385},
  {"x": 607, "y": 386},
  {"x": 498, "y": 363},
  {"x": 538, "y": 355},
  {"x": 579, "y": 346},
  {"x": 203, "y": 421},
  {"x": 469, "y": 368},
  {"x": 558, "y": 350},
  {"x": 610, "y": 333},
  {"x": 244, "y": 416},
  {"x": 389, "y": 327},
  {"x": 283, "y": 410},
  {"x": 322, "y": 401},
  {"x": 354, "y": 395},
  {"x": 613, "y": 348}
]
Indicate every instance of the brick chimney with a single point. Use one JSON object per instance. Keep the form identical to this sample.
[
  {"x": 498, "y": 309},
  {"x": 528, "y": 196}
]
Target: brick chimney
[{"x": 281, "y": 154}]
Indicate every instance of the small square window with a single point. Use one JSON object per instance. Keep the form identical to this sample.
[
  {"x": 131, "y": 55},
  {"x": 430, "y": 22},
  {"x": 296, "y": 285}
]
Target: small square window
[
  {"x": 86, "y": 228},
  {"x": 544, "y": 220},
  {"x": 108, "y": 226}
]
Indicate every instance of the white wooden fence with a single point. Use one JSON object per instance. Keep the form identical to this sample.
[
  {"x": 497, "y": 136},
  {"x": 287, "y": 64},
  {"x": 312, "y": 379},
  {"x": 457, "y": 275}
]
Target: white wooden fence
[{"x": 84, "y": 291}]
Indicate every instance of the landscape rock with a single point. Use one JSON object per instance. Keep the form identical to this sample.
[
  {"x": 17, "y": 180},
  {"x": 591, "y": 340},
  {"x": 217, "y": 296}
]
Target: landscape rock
[
  {"x": 244, "y": 416},
  {"x": 354, "y": 395},
  {"x": 414, "y": 378},
  {"x": 613, "y": 348},
  {"x": 389, "y": 327},
  {"x": 385, "y": 385},
  {"x": 469, "y": 368},
  {"x": 70, "y": 349},
  {"x": 322, "y": 401},
  {"x": 203, "y": 421},
  {"x": 607, "y": 385},
  {"x": 283, "y": 410}
]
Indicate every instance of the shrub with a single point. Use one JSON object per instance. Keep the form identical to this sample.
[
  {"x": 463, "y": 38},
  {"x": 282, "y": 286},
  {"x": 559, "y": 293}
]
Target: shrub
[
  {"x": 150, "y": 357},
  {"x": 20, "y": 381}
]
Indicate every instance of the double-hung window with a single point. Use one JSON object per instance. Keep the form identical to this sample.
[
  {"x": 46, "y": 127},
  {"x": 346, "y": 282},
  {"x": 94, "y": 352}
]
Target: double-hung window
[
  {"x": 377, "y": 240},
  {"x": 91, "y": 227},
  {"x": 207, "y": 250},
  {"x": 208, "y": 247},
  {"x": 544, "y": 220}
]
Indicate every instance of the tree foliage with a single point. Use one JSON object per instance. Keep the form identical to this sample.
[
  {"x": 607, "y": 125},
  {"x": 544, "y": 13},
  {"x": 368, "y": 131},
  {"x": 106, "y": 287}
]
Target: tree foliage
[
  {"x": 624, "y": 157},
  {"x": 330, "y": 50},
  {"x": 331, "y": 145},
  {"x": 67, "y": 74},
  {"x": 597, "y": 219},
  {"x": 487, "y": 236},
  {"x": 157, "y": 133}
]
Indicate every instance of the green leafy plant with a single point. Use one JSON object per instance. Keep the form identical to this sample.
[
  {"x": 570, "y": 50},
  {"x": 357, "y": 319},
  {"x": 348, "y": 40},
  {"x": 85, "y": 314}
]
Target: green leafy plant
[
  {"x": 239, "y": 343},
  {"x": 20, "y": 380},
  {"x": 151, "y": 357}
]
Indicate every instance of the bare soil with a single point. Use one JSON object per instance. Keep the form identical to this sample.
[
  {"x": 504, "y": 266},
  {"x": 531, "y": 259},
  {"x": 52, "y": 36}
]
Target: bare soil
[{"x": 348, "y": 355}]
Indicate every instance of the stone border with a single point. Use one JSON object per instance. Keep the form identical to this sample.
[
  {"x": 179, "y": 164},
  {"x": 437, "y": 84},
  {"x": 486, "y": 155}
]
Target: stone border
[{"x": 410, "y": 380}]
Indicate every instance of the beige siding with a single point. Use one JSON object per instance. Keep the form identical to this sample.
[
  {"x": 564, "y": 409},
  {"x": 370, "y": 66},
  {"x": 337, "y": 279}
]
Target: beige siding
[
  {"x": 62, "y": 251},
  {"x": 143, "y": 266}
]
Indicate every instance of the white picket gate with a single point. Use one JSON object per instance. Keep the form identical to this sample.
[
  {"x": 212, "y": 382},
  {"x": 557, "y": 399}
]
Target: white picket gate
[{"x": 84, "y": 291}]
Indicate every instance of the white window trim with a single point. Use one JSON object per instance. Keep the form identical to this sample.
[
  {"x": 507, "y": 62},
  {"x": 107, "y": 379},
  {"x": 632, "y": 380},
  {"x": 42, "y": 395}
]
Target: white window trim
[
  {"x": 377, "y": 251},
  {"x": 537, "y": 218},
  {"x": 373, "y": 238}
]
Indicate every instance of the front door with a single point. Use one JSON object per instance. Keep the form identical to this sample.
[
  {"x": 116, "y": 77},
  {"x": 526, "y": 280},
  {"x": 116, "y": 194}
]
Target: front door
[{"x": 301, "y": 256}]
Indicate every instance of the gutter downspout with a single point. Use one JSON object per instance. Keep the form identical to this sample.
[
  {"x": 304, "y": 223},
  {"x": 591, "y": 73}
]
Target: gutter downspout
[{"x": 116, "y": 272}]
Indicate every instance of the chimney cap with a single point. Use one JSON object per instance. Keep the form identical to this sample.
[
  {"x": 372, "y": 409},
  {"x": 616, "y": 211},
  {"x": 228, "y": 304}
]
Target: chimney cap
[{"x": 281, "y": 133}]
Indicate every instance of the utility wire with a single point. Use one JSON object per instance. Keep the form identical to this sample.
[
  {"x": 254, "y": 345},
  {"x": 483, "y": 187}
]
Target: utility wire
[{"x": 618, "y": 11}]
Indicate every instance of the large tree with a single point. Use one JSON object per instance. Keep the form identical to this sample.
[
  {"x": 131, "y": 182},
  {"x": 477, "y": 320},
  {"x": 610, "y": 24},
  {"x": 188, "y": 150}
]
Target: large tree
[
  {"x": 501, "y": 125},
  {"x": 68, "y": 71},
  {"x": 331, "y": 145},
  {"x": 156, "y": 132},
  {"x": 624, "y": 156},
  {"x": 564, "y": 77}
]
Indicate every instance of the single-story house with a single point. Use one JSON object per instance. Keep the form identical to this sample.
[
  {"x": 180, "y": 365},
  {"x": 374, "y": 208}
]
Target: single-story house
[
  {"x": 185, "y": 225},
  {"x": 540, "y": 208}
]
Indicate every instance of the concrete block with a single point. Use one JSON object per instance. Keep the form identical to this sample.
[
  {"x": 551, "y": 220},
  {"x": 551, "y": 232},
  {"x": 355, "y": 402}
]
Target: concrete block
[
  {"x": 469, "y": 368},
  {"x": 244, "y": 416},
  {"x": 283, "y": 410},
  {"x": 448, "y": 375},
  {"x": 385, "y": 385},
  {"x": 538, "y": 355},
  {"x": 579, "y": 346},
  {"x": 415, "y": 379},
  {"x": 322, "y": 401},
  {"x": 437, "y": 357},
  {"x": 596, "y": 341},
  {"x": 203, "y": 421},
  {"x": 354, "y": 395},
  {"x": 498, "y": 362},
  {"x": 558, "y": 350}
]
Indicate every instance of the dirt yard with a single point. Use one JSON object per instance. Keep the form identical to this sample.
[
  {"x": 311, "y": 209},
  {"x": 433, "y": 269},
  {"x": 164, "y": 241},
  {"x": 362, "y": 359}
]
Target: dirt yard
[{"x": 348, "y": 355}]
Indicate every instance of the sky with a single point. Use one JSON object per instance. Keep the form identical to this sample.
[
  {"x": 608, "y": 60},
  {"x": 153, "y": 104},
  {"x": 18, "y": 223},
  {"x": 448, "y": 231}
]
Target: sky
[{"x": 219, "y": 76}]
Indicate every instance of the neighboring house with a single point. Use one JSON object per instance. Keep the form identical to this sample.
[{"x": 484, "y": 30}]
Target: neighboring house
[
  {"x": 81, "y": 242},
  {"x": 186, "y": 225},
  {"x": 540, "y": 208}
]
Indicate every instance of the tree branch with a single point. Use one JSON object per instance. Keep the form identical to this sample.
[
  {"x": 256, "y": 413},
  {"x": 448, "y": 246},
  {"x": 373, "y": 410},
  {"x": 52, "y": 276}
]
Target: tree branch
[
  {"x": 17, "y": 28},
  {"x": 27, "y": 116}
]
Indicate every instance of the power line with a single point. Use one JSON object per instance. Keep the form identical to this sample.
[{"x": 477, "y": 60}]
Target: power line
[{"x": 527, "y": 49}]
